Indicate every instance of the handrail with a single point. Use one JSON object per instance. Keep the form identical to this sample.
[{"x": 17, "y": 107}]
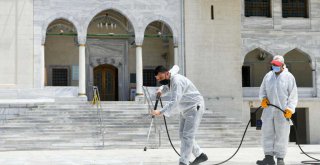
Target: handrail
[{"x": 96, "y": 100}]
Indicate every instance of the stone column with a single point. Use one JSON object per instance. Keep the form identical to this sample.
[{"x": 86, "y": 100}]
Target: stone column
[
  {"x": 139, "y": 71},
  {"x": 176, "y": 55},
  {"x": 317, "y": 75},
  {"x": 314, "y": 80},
  {"x": 42, "y": 67},
  {"x": 82, "y": 70}
]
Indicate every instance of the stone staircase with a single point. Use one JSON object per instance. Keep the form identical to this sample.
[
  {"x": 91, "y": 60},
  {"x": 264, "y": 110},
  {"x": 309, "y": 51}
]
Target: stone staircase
[{"x": 72, "y": 123}]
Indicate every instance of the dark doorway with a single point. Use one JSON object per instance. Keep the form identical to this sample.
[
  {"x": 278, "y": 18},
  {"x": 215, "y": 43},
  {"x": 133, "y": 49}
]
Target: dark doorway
[
  {"x": 299, "y": 119},
  {"x": 255, "y": 118}
]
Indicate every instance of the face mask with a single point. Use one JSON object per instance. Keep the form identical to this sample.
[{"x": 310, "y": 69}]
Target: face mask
[
  {"x": 276, "y": 68},
  {"x": 164, "y": 82}
]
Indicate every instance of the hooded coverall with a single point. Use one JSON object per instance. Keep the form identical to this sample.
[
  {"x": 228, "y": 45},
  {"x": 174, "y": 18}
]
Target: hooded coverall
[
  {"x": 187, "y": 99},
  {"x": 280, "y": 90}
]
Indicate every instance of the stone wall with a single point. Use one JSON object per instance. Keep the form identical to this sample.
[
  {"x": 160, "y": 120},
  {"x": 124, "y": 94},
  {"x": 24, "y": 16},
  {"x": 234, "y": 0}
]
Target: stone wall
[
  {"x": 16, "y": 44},
  {"x": 279, "y": 36},
  {"x": 213, "y": 52}
]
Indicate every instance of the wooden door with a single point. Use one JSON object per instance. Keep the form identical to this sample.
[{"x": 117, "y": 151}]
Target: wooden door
[{"x": 106, "y": 79}]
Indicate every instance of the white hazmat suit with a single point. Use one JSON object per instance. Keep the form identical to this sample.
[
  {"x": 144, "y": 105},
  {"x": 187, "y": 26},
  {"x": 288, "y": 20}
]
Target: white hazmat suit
[
  {"x": 281, "y": 90},
  {"x": 187, "y": 99}
]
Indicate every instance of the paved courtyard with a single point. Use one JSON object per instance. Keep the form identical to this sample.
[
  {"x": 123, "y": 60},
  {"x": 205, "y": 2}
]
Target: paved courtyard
[{"x": 246, "y": 156}]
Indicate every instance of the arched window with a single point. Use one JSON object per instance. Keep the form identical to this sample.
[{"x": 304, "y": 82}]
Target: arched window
[
  {"x": 295, "y": 8},
  {"x": 257, "y": 8},
  {"x": 255, "y": 66},
  {"x": 299, "y": 64}
]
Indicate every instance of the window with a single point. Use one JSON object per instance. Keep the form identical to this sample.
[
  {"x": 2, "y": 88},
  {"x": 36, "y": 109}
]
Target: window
[
  {"x": 294, "y": 8},
  {"x": 148, "y": 78},
  {"x": 257, "y": 8},
  {"x": 59, "y": 77},
  {"x": 132, "y": 78}
]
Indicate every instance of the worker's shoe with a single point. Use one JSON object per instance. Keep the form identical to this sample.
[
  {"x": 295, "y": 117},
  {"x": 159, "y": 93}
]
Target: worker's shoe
[
  {"x": 280, "y": 161},
  {"x": 202, "y": 158},
  {"x": 268, "y": 160},
  {"x": 181, "y": 163}
]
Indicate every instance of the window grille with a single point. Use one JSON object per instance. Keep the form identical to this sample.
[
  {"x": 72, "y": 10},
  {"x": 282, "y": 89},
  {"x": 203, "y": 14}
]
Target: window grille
[
  {"x": 257, "y": 8},
  {"x": 294, "y": 8},
  {"x": 148, "y": 78},
  {"x": 59, "y": 77}
]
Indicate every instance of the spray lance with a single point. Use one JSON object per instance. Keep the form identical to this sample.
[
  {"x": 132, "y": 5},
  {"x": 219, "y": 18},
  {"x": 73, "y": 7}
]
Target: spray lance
[{"x": 152, "y": 119}]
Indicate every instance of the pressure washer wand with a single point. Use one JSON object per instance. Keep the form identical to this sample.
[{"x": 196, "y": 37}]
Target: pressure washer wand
[{"x": 155, "y": 108}]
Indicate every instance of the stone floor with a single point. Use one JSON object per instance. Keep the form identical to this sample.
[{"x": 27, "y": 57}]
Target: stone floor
[{"x": 246, "y": 156}]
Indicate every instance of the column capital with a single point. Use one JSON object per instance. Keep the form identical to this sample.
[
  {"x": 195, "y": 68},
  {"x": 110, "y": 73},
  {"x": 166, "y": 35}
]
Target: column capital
[
  {"x": 43, "y": 40},
  {"x": 139, "y": 38},
  {"x": 82, "y": 40},
  {"x": 175, "y": 41}
]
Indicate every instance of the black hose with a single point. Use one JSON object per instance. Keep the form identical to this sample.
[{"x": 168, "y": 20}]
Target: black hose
[
  {"x": 317, "y": 161},
  {"x": 165, "y": 123}
]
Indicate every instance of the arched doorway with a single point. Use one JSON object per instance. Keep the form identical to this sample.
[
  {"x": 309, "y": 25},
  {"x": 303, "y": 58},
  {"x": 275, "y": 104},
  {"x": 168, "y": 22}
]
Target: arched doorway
[
  {"x": 110, "y": 41},
  {"x": 106, "y": 79}
]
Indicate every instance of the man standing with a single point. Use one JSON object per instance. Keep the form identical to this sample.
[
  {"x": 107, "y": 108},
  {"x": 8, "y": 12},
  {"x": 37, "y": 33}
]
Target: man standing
[
  {"x": 187, "y": 99},
  {"x": 278, "y": 88}
]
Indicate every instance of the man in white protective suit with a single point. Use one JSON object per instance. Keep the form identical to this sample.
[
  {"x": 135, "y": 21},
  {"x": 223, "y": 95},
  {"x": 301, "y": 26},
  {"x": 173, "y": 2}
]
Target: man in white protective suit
[
  {"x": 278, "y": 88},
  {"x": 186, "y": 98}
]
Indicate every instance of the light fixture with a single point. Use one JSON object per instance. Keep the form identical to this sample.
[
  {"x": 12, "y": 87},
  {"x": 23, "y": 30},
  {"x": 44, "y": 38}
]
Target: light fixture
[
  {"x": 106, "y": 23},
  {"x": 262, "y": 55}
]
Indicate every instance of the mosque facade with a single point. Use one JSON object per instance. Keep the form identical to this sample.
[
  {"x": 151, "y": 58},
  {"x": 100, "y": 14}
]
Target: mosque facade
[{"x": 57, "y": 48}]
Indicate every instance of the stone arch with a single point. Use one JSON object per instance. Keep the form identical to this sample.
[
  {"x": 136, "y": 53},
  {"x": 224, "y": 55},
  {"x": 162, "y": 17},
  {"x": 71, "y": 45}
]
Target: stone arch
[
  {"x": 248, "y": 51},
  {"x": 57, "y": 16},
  {"x": 164, "y": 20},
  {"x": 304, "y": 53},
  {"x": 301, "y": 66},
  {"x": 256, "y": 63},
  {"x": 109, "y": 6}
]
